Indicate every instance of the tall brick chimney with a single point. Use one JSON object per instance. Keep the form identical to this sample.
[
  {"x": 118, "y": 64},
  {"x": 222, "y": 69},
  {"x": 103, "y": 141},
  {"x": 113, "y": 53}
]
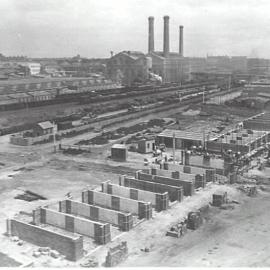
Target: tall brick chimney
[
  {"x": 151, "y": 42},
  {"x": 166, "y": 38},
  {"x": 181, "y": 40}
]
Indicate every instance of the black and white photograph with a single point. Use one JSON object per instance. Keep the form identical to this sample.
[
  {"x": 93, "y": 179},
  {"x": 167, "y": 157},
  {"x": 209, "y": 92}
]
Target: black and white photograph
[{"x": 134, "y": 133}]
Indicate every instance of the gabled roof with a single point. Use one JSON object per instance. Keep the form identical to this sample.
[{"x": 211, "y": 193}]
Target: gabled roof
[{"x": 45, "y": 125}]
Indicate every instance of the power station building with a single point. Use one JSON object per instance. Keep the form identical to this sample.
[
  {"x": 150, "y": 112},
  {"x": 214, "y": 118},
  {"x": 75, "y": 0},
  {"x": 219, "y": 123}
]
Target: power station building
[
  {"x": 169, "y": 65},
  {"x": 129, "y": 67}
]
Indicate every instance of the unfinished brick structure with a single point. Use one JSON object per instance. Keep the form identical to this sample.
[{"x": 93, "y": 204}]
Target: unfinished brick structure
[
  {"x": 188, "y": 186},
  {"x": 175, "y": 193},
  {"x": 159, "y": 201},
  {"x": 99, "y": 231},
  {"x": 123, "y": 220},
  {"x": 140, "y": 208},
  {"x": 70, "y": 246},
  {"x": 207, "y": 172}
]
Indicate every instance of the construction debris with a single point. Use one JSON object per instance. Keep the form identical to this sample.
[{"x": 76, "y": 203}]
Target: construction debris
[
  {"x": 146, "y": 249},
  {"x": 178, "y": 229},
  {"x": 15, "y": 239},
  {"x": 36, "y": 254},
  {"x": 91, "y": 262},
  {"x": 54, "y": 254},
  {"x": 116, "y": 255},
  {"x": 249, "y": 190},
  {"x": 30, "y": 196},
  {"x": 20, "y": 243}
]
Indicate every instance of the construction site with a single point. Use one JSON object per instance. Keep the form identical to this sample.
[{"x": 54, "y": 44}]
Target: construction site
[
  {"x": 173, "y": 178},
  {"x": 153, "y": 166}
]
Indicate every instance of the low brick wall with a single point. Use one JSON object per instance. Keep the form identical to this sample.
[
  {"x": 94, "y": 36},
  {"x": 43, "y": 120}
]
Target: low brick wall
[
  {"x": 123, "y": 220},
  {"x": 159, "y": 201},
  {"x": 188, "y": 186},
  {"x": 175, "y": 193},
  {"x": 100, "y": 232},
  {"x": 71, "y": 247},
  {"x": 140, "y": 208}
]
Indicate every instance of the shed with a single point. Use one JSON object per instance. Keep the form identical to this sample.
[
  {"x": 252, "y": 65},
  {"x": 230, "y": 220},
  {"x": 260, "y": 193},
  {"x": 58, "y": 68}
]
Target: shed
[
  {"x": 146, "y": 145},
  {"x": 119, "y": 152},
  {"x": 43, "y": 128}
]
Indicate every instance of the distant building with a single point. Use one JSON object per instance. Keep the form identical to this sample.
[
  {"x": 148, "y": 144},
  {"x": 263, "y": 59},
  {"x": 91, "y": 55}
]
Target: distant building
[
  {"x": 218, "y": 63},
  {"x": 239, "y": 64},
  {"x": 129, "y": 67},
  {"x": 34, "y": 68},
  {"x": 258, "y": 66},
  {"x": 43, "y": 128}
]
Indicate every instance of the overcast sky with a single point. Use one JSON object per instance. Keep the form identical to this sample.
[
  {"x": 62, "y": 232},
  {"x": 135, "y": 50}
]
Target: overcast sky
[{"x": 93, "y": 28}]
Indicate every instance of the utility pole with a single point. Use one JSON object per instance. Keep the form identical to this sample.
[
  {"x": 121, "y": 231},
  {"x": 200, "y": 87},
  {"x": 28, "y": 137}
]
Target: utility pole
[
  {"x": 229, "y": 86},
  {"x": 54, "y": 140},
  {"x": 173, "y": 148},
  {"x": 203, "y": 96}
]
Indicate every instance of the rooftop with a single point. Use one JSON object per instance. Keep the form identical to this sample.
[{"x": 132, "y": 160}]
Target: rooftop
[
  {"x": 186, "y": 135},
  {"x": 121, "y": 146},
  {"x": 46, "y": 125},
  {"x": 133, "y": 54}
]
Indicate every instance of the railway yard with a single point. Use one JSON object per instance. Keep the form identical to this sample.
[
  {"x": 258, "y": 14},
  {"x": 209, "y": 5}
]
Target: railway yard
[{"x": 90, "y": 209}]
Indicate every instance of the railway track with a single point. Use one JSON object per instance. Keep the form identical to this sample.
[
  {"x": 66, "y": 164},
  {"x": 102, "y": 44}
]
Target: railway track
[{"x": 91, "y": 97}]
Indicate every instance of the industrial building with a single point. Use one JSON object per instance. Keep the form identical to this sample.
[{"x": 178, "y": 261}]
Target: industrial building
[
  {"x": 169, "y": 65},
  {"x": 129, "y": 67},
  {"x": 34, "y": 68}
]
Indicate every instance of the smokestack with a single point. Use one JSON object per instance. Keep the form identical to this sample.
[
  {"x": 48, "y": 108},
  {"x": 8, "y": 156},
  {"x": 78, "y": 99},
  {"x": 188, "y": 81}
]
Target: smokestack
[
  {"x": 181, "y": 41},
  {"x": 166, "y": 41},
  {"x": 151, "y": 46}
]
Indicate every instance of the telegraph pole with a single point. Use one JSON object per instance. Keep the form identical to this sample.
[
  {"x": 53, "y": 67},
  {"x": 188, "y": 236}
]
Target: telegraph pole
[
  {"x": 54, "y": 140},
  {"x": 173, "y": 148}
]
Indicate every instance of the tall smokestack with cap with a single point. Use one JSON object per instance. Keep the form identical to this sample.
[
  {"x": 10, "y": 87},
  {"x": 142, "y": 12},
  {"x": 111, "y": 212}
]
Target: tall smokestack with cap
[
  {"x": 181, "y": 40},
  {"x": 151, "y": 44},
  {"x": 166, "y": 39}
]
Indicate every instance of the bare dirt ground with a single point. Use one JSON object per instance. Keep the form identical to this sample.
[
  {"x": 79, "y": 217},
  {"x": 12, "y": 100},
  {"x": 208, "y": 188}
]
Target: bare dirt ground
[{"x": 229, "y": 238}]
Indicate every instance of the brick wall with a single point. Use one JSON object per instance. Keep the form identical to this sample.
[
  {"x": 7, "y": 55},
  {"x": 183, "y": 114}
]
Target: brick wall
[{"x": 71, "y": 247}]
